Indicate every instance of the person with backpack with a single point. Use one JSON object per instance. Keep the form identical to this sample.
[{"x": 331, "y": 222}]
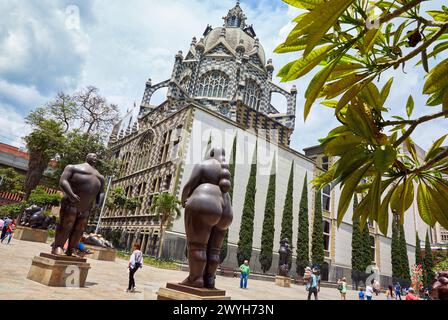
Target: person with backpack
[
  {"x": 314, "y": 284},
  {"x": 9, "y": 231},
  {"x": 342, "y": 287},
  {"x": 6, "y": 222},
  {"x": 135, "y": 263}
]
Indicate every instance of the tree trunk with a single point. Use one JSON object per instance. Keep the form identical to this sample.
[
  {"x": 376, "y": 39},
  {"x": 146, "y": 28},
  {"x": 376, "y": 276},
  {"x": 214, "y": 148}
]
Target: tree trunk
[
  {"x": 162, "y": 222},
  {"x": 36, "y": 167}
]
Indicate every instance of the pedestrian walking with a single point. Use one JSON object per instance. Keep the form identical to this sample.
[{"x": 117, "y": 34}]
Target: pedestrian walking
[
  {"x": 244, "y": 275},
  {"x": 135, "y": 263},
  {"x": 314, "y": 286},
  {"x": 9, "y": 232},
  {"x": 361, "y": 294},
  {"x": 397, "y": 291},
  {"x": 369, "y": 292},
  {"x": 342, "y": 287},
  {"x": 390, "y": 293},
  {"x": 376, "y": 287},
  {"x": 6, "y": 223}
]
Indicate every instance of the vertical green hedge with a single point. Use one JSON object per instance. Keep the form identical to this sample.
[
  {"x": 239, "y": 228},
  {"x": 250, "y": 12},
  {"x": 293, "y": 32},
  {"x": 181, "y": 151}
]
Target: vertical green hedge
[
  {"x": 287, "y": 208},
  {"x": 428, "y": 263},
  {"x": 317, "y": 243},
  {"x": 418, "y": 251},
  {"x": 400, "y": 261},
  {"x": 244, "y": 250},
  {"x": 267, "y": 235},
  {"x": 303, "y": 247}
]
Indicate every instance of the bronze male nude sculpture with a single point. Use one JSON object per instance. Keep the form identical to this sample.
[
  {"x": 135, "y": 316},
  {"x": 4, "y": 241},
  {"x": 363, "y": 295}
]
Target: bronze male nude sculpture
[
  {"x": 208, "y": 215},
  {"x": 83, "y": 186}
]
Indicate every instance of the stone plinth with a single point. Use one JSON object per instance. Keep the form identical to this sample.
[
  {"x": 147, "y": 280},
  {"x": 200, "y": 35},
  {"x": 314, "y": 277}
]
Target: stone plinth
[
  {"x": 100, "y": 253},
  {"x": 177, "y": 291},
  {"x": 30, "y": 234},
  {"x": 59, "y": 271},
  {"x": 283, "y": 281}
]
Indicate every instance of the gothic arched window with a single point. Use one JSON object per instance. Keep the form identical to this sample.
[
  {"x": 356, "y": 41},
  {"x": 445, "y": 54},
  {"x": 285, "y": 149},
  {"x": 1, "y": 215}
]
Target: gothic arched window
[
  {"x": 213, "y": 84},
  {"x": 252, "y": 95}
]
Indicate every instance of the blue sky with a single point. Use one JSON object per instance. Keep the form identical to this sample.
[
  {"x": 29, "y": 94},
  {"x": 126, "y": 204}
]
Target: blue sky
[{"x": 119, "y": 45}]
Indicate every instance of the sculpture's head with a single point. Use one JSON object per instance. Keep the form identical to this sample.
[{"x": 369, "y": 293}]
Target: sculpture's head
[
  {"x": 92, "y": 159},
  {"x": 218, "y": 153}
]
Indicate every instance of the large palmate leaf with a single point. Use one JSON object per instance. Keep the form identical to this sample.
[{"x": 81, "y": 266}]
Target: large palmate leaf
[
  {"x": 424, "y": 205},
  {"x": 317, "y": 22},
  {"x": 304, "y": 4},
  {"x": 348, "y": 190},
  {"x": 316, "y": 85},
  {"x": 437, "y": 78},
  {"x": 305, "y": 64}
]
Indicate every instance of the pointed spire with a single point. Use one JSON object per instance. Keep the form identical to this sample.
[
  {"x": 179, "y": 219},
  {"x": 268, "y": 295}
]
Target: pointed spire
[{"x": 235, "y": 17}]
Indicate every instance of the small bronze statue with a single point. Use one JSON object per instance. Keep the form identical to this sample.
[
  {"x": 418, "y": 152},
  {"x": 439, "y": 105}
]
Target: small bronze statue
[
  {"x": 39, "y": 221},
  {"x": 208, "y": 214},
  {"x": 440, "y": 287},
  {"x": 96, "y": 240},
  {"x": 83, "y": 186},
  {"x": 27, "y": 213},
  {"x": 284, "y": 260}
]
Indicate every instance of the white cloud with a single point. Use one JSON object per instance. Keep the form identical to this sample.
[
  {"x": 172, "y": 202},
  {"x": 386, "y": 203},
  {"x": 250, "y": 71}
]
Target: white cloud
[{"x": 12, "y": 126}]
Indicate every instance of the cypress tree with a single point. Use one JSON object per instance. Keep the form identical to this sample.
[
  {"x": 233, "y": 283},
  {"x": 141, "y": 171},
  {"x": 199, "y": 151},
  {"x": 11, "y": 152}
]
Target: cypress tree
[
  {"x": 428, "y": 263},
  {"x": 224, "y": 247},
  {"x": 395, "y": 255},
  {"x": 245, "y": 241},
  {"x": 317, "y": 242},
  {"x": 267, "y": 235},
  {"x": 367, "y": 254},
  {"x": 287, "y": 208},
  {"x": 418, "y": 251},
  {"x": 303, "y": 250},
  {"x": 404, "y": 259},
  {"x": 358, "y": 268}
]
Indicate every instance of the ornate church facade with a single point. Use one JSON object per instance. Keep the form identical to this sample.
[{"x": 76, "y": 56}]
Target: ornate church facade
[{"x": 218, "y": 93}]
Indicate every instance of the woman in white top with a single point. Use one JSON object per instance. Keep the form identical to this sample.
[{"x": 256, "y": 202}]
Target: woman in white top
[
  {"x": 135, "y": 262},
  {"x": 369, "y": 292}
]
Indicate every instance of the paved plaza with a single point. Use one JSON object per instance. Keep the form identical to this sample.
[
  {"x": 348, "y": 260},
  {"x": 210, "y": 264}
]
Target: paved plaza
[{"x": 107, "y": 280}]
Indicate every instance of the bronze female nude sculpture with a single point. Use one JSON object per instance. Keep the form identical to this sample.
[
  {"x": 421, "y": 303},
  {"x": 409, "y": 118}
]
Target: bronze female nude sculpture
[
  {"x": 208, "y": 215},
  {"x": 83, "y": 186}
]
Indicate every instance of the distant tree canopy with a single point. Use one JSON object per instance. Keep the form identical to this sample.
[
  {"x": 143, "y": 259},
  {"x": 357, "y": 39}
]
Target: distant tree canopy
[
  {"x": 11, "y": 180},
  {"x": 351, "y": 49},
  {"x": 66, "y": 129}
]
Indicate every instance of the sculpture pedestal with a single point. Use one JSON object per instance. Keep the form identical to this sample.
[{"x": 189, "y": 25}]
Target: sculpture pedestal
[
  {"x": 59, "y": 271},
  {"x": 177, "y": 291},
  {"x": 283, "y": 281},
  {"x": 30, "y": 234},
  {"x": 100, "y": 253}
]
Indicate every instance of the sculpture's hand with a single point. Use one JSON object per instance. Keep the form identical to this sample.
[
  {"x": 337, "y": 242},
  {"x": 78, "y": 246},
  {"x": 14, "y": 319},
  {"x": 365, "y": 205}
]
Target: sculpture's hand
[
  {"x": 74, "y": 198},
  {"x": 184, "y": 203}
]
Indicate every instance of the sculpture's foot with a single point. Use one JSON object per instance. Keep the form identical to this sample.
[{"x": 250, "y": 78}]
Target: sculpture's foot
[
  {"x": 197, "y": 283},
  {"x": 58, "y": 251},
  {"x": 209, "y": 282}
]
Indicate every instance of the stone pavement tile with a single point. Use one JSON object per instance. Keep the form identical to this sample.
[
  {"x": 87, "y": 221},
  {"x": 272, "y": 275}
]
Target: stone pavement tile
[{"x": 107, "y": 280}]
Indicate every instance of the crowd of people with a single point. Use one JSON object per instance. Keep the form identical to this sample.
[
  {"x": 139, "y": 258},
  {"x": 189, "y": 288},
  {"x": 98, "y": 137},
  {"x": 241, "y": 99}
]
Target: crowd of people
[
  {"x": 393, "y": 292},
  {"x": 7, "y": 227}
]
